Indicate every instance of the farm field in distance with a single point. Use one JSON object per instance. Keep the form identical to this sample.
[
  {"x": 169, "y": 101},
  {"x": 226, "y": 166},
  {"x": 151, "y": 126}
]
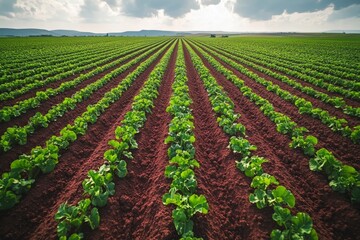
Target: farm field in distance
[{"x": 243, "y": 137}]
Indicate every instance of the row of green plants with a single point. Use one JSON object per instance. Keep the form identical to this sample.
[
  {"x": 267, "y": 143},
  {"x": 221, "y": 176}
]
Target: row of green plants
[
  {"x": 61, "y": 74},
  {"x": 19, "y": 62},
  {"x": 272, "y": 64},
  {"x": 36, "y": 80},
  {"x": 267, "y": 191},
  {"x": 21, "y": 55},
  {"x": 9, "y": 112},
  {"x": 310, "y": 70},
  {"x": 304, "y": 106},
  {"x": 39, "y": 72},
  {"x": 317, "y": 52},
  {"x": 304, "y": 62},
  {"x": 337, "y": 102},
  {"x": 181, "y": 153},
  {"x": 99, "y": 185},
  {"x": 342, "y": 178},
  {"x": 346, "y": 84},
  {"x": 19, "y": 135},
  {"x": 24, "y": 170}
]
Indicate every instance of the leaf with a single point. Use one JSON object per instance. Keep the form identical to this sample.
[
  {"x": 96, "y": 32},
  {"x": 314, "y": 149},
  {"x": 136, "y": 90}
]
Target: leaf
[
  {"x": 171, "y": 198},
  {"x": 302, "y": 223},
  {"x": 313, "y": 235},
  {"x": 311, "y": 139},
  {"x": 199, "y": 203},
  {"x": 76, "y": 236},
  {"x": 170, "y": 171},
  {"x": 183, "y": 225},
  {"x": 314, "y": 165},
  {"x": 20, "y": 165},
  {"x": 263, "y": 181},
  {"x": 115, "y": 144},
  {"x": 110, "y": 155},
  {"x": 282, "y": 216},
  {"x": 62, "y": 229},
  {"x": 259, "y": 198},
  {"x": 94, "y": 219},
  {"x": 277, "y": 235},
  {"x": 8, "y": 199},
  {"x": 282, "y": 195},
  {"x": 169, "y": 139},
  {"x": 121, "y": 169}
]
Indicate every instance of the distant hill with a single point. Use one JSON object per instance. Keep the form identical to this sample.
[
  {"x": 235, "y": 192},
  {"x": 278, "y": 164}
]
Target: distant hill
[
  {"x": 75, "y": 33},
  {"x": 7, "y": 32},
  {"x": 24, "y": 32},
  {"x": 343, "y": 31},
  {"x": 12, "y": 32},
  {"x": 148, "y": 33}
]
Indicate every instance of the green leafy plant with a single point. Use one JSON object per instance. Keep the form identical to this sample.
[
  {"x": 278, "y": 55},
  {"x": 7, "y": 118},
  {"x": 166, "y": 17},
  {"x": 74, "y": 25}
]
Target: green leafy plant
[
  {"x": 251, "y": 165},
  {"x": 306, "y": 144},
  {"x": 241, "y": 145},
  {"x": 99, "y": 185},
  {"x": 296, "y": 227},
  {"x": 72, "y": 217}
]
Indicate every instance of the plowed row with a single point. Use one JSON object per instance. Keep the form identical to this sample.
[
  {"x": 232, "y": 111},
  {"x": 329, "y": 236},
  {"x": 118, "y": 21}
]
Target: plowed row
[{"x": 136, "y": 210}]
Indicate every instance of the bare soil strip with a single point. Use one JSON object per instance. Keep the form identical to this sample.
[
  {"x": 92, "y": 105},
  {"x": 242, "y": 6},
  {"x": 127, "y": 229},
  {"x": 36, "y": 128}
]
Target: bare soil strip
[
  {"x": 46, "y": 105},
  {"x": 343, "y": 148},
  {"x": 353, "y": 121},
  {"x": 64, "y": 183},
  {"x": 231, "y": 215},
  {"x": 350, "y": 102},
  {"x": 136, "y": 210},
  {"x": 56, "y": 84},
  {"x": 42, "y": 134},
  {"x": 334, "y": 219}
]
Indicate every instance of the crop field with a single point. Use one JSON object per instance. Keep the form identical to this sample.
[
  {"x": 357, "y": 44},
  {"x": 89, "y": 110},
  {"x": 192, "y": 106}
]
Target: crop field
[{"x": 248, "y": 137}]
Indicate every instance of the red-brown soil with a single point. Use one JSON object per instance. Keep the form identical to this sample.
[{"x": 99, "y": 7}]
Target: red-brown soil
[
  {"x": 64, "y": 183},
  {"x": 350, "y": 102},
  {"x": 137, "y": 205},
  {"x": 231, "y": 215},
  {"x": 342, "y": 147},
  {"x": 60, "y": 64},
  {"x": 353, "y": 121},
  {"x": 46, "y": 105},
  {"x": 335, "y": 219},
  {"x": 136, "y": 211},
  {"x": 57, "y": 83},
  {"x": 42, "y": 134}
]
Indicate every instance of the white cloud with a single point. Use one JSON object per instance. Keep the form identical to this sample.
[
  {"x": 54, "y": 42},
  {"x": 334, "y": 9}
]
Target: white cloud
[{"x": 107, "y": 16}]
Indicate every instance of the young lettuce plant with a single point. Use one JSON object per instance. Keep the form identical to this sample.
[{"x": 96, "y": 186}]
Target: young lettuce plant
[
  {"x": 296, "y": 227},
  {"x": 306, "y": 144},
  {"x": 71, "y": 218},
  {"x": 99, "y": 185}
]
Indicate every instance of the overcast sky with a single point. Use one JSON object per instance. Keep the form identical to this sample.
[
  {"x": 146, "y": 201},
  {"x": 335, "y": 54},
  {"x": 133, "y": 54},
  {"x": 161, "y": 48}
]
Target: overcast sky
[{"x": 182, "y": 15}]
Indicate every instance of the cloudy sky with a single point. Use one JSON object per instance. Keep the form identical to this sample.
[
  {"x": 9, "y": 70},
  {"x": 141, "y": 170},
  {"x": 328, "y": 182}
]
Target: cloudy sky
[{"x": 182, "y": 15}]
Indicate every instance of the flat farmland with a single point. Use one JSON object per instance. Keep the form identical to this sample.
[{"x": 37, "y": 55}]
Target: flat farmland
[{"x": 243, "y": 137}]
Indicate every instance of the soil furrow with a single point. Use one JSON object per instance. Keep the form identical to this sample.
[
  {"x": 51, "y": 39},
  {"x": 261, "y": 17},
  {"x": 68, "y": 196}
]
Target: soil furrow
[
  {"x": 350, "y": 102},
  {"x": 42, "y": 134},
  {"x": 57, "y": 83},
  {"x": 291, "y": 168},
  {"x": 231, "y": 215},
  {"x": 353, "y": 121},
  {"x": 46, "y": 105},
  {"x": 64, "y": 183},
  {"x": 342, "y": 147},
  {"x": 137, "y": 205}
]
